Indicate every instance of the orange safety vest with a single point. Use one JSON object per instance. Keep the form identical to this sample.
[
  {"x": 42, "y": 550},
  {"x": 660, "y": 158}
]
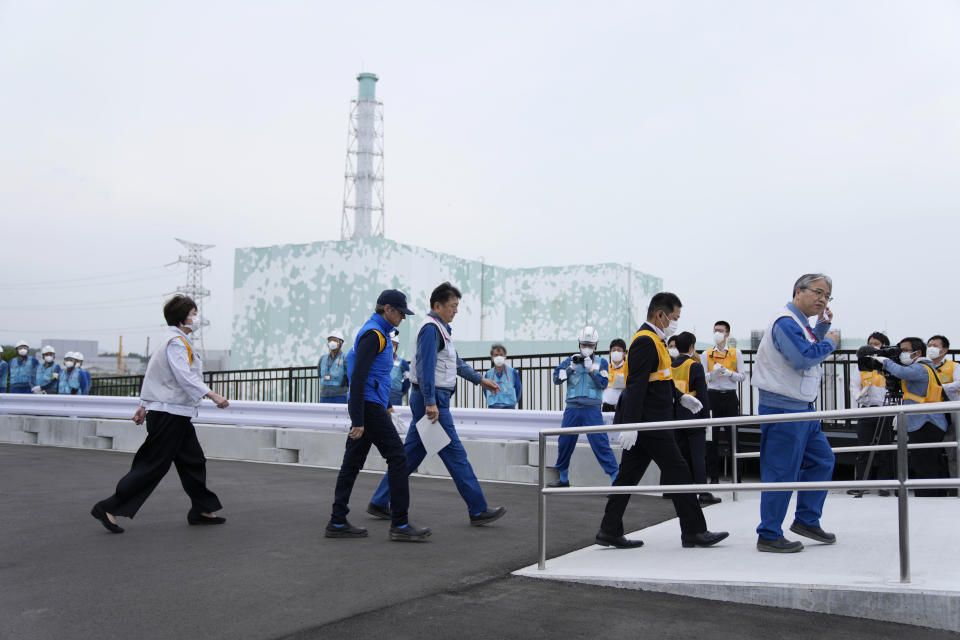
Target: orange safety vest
[
  {"x": 681, "y": 376},
  {"x": 615, "y": 371},
  {"x": 664, "y": 371},
  {"x": 728, "y": 359},
  {"x": 934, "y": 389},
  {"x": 872, "y": 378},
  {"x": 945, "y": 371}
]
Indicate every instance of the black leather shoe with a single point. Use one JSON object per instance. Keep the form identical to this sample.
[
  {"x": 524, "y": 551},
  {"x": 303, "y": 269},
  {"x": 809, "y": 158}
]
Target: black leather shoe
[
  {"x": 814, "y": 533},
  {"x": 101, "y": 515},
  {"x": 708, "y": 499},
  {"x": 345, "y": 530},
  {"x": 378, "y": 512},
  {"x": 559, "y": 484},
  {"x": 620, "y": 542},
  {"x": 409, "y": 533},
  {"x": 487, "y": 516},
  {"x": 196, "y": 518},
  {"x": 704, "y": 539},
  {"x": 780, "y": 545}
]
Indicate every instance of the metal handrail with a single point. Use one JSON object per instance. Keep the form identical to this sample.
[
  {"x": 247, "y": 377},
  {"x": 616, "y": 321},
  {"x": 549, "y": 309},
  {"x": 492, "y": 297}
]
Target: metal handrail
[{"x": 901, "y": 483}]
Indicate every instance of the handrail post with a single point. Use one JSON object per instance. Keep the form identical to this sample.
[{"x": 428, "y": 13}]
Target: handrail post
[
  {"x": 904, "y": 521},
  {"x": 733, "y": 456},
  {"x": 542, "y": 504}
]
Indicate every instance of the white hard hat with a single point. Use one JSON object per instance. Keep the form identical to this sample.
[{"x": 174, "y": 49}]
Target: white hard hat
[
  {"x": 336, "y": 334},
  {"x": 78, "y": 356},
  {"x": 70, "y": 354},
  {"x": 47, "y": 349},
  {"x": 21, "y": 343},
  {"x": 394, "y": 337},
  {"x": 588, "y": 335}
]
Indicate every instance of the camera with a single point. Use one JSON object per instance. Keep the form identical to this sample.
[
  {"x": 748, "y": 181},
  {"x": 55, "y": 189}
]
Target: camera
[
  {"x": 865, "y": 362},
  {"x": 577, "y": 359}
]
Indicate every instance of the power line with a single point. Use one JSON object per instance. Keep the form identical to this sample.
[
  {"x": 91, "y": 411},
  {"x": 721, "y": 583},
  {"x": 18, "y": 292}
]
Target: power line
[
  {"x": 102, "y": 304},
  {"x": 92, "y": 284},
  {"x": 62, "y": 281}
]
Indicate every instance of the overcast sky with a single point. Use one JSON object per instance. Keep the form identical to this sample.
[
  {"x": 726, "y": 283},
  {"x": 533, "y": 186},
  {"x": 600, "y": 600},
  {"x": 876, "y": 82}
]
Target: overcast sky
[{"x": 727, "y": 147}]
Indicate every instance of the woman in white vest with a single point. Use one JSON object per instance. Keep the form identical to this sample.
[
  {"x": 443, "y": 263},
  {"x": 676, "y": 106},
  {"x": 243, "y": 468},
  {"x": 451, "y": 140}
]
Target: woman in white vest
[{"x": 172, "y": 390}]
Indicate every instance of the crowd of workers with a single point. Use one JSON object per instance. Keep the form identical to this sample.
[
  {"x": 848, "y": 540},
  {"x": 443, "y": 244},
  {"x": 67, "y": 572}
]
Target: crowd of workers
[{"x": 25, "y": 373}]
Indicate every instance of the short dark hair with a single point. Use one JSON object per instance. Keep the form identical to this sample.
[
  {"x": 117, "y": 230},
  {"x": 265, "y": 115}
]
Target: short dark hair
[
  {"x": 380, "y": 308},
  {"x": 672, "y": 340},
  {"x": 176, "y": 310},
  {"x": 497, "y": 345},
  {"x": 943, "y": 340},
  {"x": 723, "y": 323},
  {"x": 916, "y": 344},
  {"x": 884, "y": 340},
  {"x": 618, "y": 342},
  {"x": 663, "y": 301},
  {"x": 443, "y": 293},
  {"x": 685, "y": 340}
]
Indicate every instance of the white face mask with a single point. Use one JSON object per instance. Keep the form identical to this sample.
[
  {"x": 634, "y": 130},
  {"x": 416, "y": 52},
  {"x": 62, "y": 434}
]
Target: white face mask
[
  {"x": 193, "y": 322},
  {"x": 586, "y": 352},
  {"x": 69, "y": 364},
  {"x": 499, "y": 360},
  {"x": 674, "y": 352},
  {"x": 719, "y": 337},
  {"x": 48, "y": 359},
  {"x": 671, "y": 329},
  {"x": 334, "y": 345},
  {"x": 616, "y": 356},
  {"x": 22, "y": 351},
  {"x": 933, "y": 352},
  {"x": 905, "y": 359}
]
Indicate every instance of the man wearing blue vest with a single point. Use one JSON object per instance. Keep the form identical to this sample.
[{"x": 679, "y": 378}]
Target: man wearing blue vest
[
  {"x": 506, "y": 377},
  {"x": 86, "y": 382},
  {"x": 788, "y": 372},
  {"x": 332, "y": 371},
  {"x": 369, "y": 364},
  {"x": 434, "y": 376},
  {"x": 23, "y": 369},
  {"x": 586, "y": 376},
  {"x": 69, "y": 383},
  {"x": 399, "y": 375},
  {"x": 48, "y": 373}
]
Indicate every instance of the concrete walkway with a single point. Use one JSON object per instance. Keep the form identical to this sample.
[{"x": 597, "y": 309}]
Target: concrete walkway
[{"x": 269, "y": 573}]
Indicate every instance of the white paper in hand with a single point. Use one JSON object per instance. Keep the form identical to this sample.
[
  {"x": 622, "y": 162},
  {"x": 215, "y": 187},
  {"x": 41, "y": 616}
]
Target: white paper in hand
[{"x": 432, "y": 435}]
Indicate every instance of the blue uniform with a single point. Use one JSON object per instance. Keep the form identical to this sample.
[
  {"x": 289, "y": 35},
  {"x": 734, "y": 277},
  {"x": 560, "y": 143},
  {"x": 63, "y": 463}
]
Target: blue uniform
[
  {"x": 584, "y": 398},
  {"x": 4, "y": 370},
  {"x": 69, "y": 383},
  {"x": 333, "y": 379},
  {"x": 22, "y": 373},
  {"x": 399, "y": 382},
  {"x": 85, "y": 382},
  {"x": 48, "y": 377},
  {"x": 511, "y": 388}
]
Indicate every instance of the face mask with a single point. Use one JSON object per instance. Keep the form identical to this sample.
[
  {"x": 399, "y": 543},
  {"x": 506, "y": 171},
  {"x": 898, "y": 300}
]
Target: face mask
[
  {"x": 933, "y": 352},
  {"x": 194, "y": 323},
  {"x": 616, "y": 356},
  {"x": 719, "y": 338},
  {"x": 671, "y": 328},
  {"x": 22, "y": 351},
  {"x": 586, "y": 352},
  {"x": 48, "y": 359},
  {"x": 674, "y": 352},
  {"x": 69, "y": 364},
  {"x": 905, "y": 359},
  {"x": 334, "y": 345},
  {"x": 499, "y": 360}
]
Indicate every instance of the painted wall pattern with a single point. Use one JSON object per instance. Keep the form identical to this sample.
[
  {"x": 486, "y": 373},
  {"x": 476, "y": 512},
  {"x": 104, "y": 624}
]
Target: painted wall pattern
[{"x": 287, "y": 298}]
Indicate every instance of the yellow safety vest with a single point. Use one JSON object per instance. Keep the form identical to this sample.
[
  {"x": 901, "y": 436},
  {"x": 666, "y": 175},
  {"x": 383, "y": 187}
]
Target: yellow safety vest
[
  {"x": 872, "y": 378},
  {"x": 681, "y": 376},
  {"x": 663, "y": 371},
  {"x": 615, "y": 371},
  {"x": 934, "y": 390},
  {"x": 728, "y": 359},
  {"x": 945, "y": 371}
]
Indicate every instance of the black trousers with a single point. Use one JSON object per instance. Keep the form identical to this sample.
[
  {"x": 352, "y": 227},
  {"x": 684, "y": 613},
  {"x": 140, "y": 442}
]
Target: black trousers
[
  {"x": 608, "y": 408},
  {"x": 660, "y": 447},
  {"x": 723, "y": 404},
  {"x": 170, "y": 439},
  {"x": 378, "y": 430},
  {"x": 927, "y": 463},
  {"x": 883, "y": 461},
  {"x": 692, "y": 445}
]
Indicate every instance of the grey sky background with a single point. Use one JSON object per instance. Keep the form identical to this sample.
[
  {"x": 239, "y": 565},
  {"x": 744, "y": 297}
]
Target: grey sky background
[{"x": 726, "y": 147}]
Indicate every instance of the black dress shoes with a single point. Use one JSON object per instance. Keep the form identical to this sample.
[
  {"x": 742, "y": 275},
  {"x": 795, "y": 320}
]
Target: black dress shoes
[
  {"x": 196, "y": 518},
  {"x": 705, "y": 539},
  {"x": 101, "y": 515},
  {"x": 487, "y": 516},
  {"x": 378, "y": 512},
  {"x": 620, "y": 542},
  {"x": 345, "y": 530},
  {"x": 708, "y": 499}
]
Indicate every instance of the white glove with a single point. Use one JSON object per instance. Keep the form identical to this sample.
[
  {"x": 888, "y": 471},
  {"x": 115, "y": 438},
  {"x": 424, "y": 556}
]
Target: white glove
[
  {"x": 563, "y": 374},
  {"x": 588, "y": 364},
  {"x": 35, "y": 389},
  {"x": 627, "y": 439},
  {"x": 596, "y": 366},
  {"x": 690, "y": 403},
  {"x": 880, "y": 359}
]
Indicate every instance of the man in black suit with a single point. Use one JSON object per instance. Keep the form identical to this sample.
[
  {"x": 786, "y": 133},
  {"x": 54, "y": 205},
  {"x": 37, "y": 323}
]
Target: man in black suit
[{"x": 649, "y": 397}]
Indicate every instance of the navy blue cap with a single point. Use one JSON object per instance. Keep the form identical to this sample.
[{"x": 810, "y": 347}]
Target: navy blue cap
[{"x": 395, "y": 299}]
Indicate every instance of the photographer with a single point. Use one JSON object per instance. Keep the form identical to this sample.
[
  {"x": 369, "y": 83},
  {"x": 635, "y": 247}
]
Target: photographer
[
  {"x": 920, "y": 385},
  {"x": 868, "y": 388}
]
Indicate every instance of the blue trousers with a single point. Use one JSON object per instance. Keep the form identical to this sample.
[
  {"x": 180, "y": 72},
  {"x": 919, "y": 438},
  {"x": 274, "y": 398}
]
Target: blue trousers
[
  {"x": 454, "y": 456},
  {"x": 792, "y": 452},
  {"x": 333, "y": 400},
  {"x": 21, "y": 387},
  {"x": 599, "y": 442}
]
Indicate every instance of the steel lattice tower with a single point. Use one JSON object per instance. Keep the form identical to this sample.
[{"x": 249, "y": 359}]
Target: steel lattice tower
[
  {"x": 363, "y": 177},
  {"x": 196, "y": 263}
]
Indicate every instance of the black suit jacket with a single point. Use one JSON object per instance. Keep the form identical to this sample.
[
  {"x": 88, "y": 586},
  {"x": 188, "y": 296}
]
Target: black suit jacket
[{"x": 642, "y": 400}]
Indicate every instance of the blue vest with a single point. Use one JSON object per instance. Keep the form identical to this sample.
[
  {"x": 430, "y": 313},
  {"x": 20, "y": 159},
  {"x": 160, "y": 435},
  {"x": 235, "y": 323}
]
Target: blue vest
[
  {"x": 580, "y": 383},
  {"x": 335, "y": 369},
  {"x": 69, "y": 380},
  {"x": 396, "y": 377},
  {"x": 508, "y": 392},
  {"x": 377, "y": 388},
  {"x": 4, "y": 369},
  {"x": 45, "y": 378},
  {"x": 22, "y": 374},
  {"x": 85, "y": 382}
]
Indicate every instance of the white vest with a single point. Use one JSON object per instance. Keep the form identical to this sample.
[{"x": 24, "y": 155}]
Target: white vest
[
  {"x": 159, "y": 385},
  {"x": 445, "y": 373},
  {"x": 774, "y": 373}
]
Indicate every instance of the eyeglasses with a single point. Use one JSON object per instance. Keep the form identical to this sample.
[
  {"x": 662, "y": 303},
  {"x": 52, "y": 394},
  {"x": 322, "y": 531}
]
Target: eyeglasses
[{"x": 820, "y": 293}]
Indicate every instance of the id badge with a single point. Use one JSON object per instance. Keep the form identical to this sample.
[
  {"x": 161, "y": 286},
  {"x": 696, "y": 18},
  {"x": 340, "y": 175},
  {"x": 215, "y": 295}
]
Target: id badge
[{"x": 326, "y": 377}]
